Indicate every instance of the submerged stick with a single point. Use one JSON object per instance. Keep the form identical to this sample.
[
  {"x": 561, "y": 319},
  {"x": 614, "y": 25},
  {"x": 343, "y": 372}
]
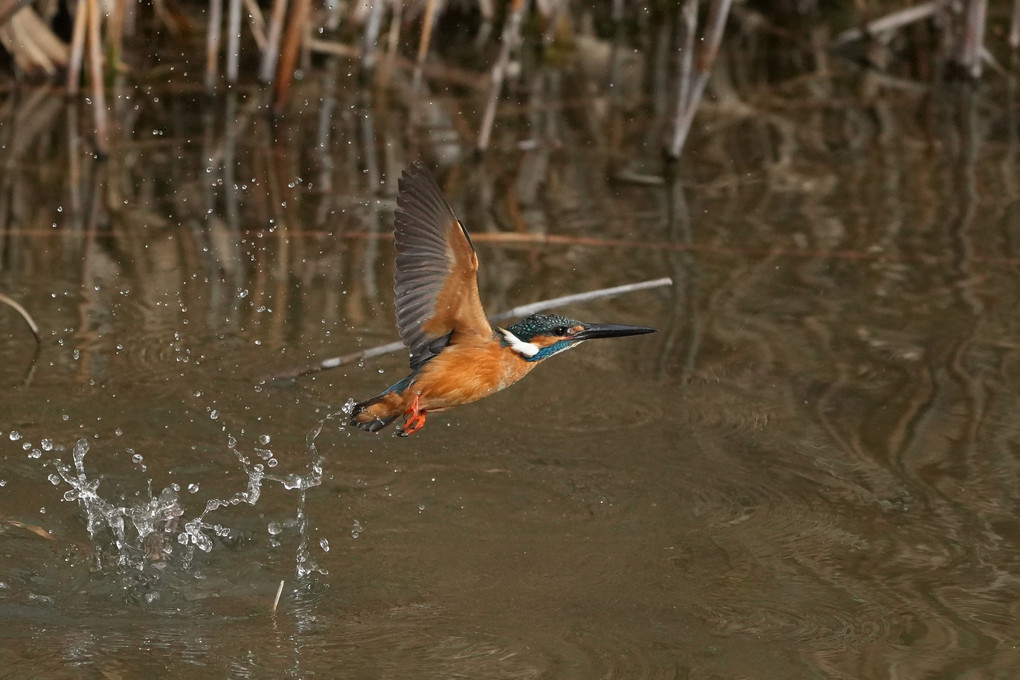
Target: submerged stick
[
  {"x": 24, "y": 315},
  {"x": 524, "y": 310}
]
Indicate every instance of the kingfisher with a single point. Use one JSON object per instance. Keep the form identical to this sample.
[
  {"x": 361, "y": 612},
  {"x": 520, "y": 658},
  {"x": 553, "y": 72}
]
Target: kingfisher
[{"x": 456, "y": 356}]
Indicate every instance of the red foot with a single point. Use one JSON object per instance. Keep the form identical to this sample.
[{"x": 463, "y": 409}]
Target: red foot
[{"x": 415, "y": 419}]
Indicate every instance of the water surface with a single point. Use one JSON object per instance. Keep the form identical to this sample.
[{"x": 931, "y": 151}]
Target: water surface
[{"x": 810, "y": 471}]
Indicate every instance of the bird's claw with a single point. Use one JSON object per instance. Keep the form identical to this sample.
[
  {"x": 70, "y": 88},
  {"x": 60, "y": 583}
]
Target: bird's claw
[{"x": 414, "y": 422}]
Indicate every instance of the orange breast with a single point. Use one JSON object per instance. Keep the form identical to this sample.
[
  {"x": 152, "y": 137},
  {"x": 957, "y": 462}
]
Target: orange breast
[{"x": 467, "y": 372}]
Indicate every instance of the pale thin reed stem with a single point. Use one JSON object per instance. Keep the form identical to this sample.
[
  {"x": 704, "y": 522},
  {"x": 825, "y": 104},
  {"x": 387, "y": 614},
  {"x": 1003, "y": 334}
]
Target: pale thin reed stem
[
  {"x": 96, "y": 76},
  {"x": 81, "y": 19},
  {"x": 271, "y": 52},
  {"x": 233, "y": 41},
  {"x": 212, "y": 44},
  {"x": 524, "y": 310},
  {"x": 511, "y": 34}
]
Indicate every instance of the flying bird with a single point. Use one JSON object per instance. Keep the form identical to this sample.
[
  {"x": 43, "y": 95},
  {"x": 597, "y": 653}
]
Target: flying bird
[{"x": 457, "y": 357}]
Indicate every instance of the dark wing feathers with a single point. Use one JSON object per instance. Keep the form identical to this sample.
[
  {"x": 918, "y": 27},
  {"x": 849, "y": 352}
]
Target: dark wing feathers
[{"x": 436, "y": 281}]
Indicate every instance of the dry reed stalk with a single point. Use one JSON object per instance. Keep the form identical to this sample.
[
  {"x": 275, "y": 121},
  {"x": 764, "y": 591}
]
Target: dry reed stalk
[
  {"x": 10, "y": 8},
  {"x": 233, "y": 41},
  {"x": 708, "y": 48},
  {"x": 393, "y": 41},
  {"x": 972, "y": 41},
  {"x": 96, "y": 76},
  {"x": 212, "y": 44},
  {"x": 511, "y": 36},
  {"x": 1014, "y": 26},
  {"x": 115, "y": 32},
  {"x": 257, "y": 23},
  {"x": 78, "y": 33},
  {"x": 890, "y": 22},
  {"x": 370, "y": 39},
  {"x": 423, "y": 45},
  {"x": 516, "y": 312},
  {"x": 271, "y": 52},
  {"x": 293, "y": 38}
]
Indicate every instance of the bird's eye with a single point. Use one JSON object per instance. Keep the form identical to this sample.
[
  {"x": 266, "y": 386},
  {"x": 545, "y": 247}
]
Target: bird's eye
[{"x": 561, "y": 330}]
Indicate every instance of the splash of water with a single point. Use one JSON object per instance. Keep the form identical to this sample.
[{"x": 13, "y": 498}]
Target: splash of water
[
  {"x": 138, "y": 540},
  {"x": 145, "y": 533}
]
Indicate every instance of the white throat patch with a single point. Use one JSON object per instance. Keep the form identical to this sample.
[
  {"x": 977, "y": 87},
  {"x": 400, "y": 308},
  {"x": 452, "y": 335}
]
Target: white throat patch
[{"x": 525, "y": 349}]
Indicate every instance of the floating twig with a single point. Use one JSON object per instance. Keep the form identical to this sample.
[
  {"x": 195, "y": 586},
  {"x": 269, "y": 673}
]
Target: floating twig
[
  {"x": 524, "y": 310},
  {"x": 24, "y": 315}
]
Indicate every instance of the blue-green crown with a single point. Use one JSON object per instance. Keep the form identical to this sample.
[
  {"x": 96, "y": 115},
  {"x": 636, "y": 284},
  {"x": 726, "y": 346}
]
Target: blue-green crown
[{"x": 541, "y": 324}]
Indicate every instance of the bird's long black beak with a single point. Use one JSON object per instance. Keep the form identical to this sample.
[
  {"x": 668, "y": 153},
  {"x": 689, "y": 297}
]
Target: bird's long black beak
[{"x": 610, "y": 330}]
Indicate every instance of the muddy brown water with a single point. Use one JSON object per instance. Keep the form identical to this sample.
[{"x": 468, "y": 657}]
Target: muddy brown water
[{"x": 810, "y": 471}]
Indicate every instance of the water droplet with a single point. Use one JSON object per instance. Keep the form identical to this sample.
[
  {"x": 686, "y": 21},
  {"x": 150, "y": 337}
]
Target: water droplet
[
  {"x": 35, "y": 453},
  {"x": 137, "y": 459},
  {"x": 193, "y": 488},
  {"x": 15, "y": 436},
  {"x": 263, "y": 439},
  {"x": 54, "y": 479},
  {"x": 274, "y": 528},
  {"x": 46, "y": 444},
  {"x": 324, "y": 544},
  {"x": 119, "y": 432},
  {"x": 214, "y": 414}
]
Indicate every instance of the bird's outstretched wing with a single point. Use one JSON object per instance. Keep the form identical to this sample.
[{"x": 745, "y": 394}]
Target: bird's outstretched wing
[{"x": 437, "y": 270}]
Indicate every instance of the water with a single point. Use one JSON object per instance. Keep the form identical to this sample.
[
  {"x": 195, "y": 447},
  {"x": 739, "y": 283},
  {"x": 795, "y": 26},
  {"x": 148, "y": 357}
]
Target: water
[{"x": 810, "y": 471}]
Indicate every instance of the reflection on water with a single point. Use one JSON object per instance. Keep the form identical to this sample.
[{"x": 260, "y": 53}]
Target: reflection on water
[{"x": 811, "y": 471}]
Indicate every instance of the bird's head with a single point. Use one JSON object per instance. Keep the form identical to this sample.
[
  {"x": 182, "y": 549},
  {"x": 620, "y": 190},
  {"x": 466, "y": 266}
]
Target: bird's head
[{"x": 540, "y": 336}]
